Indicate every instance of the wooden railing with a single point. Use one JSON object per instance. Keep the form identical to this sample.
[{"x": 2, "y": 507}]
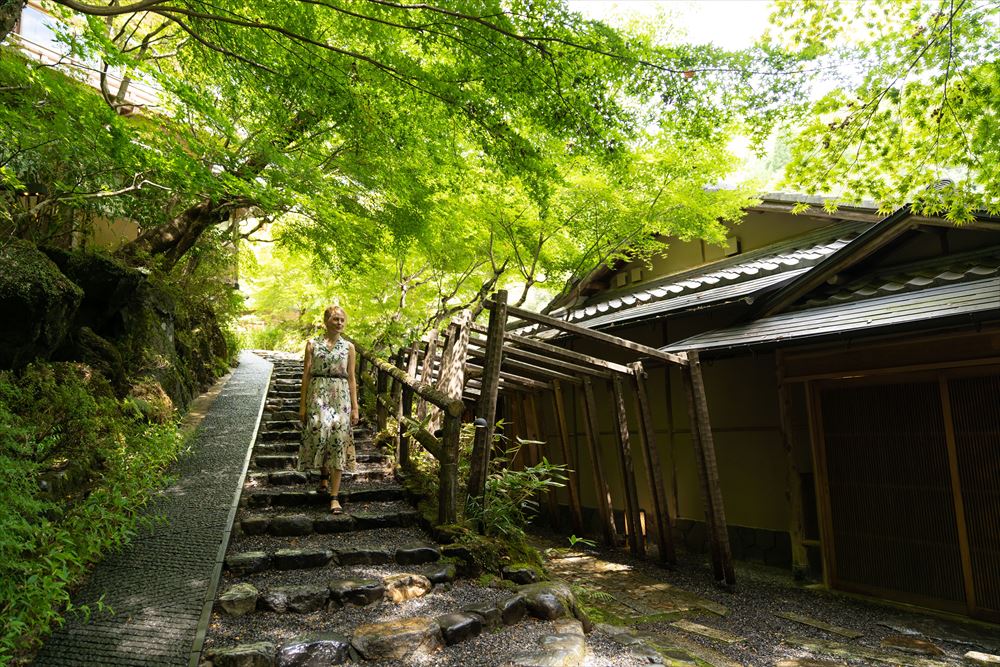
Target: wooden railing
[{"x": 444, "y": 447}]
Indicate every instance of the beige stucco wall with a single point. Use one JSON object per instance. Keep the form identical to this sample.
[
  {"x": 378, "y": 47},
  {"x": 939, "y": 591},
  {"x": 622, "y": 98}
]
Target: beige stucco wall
[{"x": 111, "y": 234}]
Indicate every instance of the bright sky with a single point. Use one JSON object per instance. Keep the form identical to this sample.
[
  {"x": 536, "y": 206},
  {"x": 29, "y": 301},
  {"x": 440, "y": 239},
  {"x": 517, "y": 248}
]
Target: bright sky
[{"x": 732, "y": 23}]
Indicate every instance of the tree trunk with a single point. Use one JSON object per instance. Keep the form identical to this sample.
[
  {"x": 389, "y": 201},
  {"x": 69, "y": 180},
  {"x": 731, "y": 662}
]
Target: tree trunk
[
  {"x": 10, "y": 13},
  {"x": 176, "y": 237}
]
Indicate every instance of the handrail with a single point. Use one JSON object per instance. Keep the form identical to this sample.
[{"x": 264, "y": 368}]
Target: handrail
[{"x": 452, "y": 406}]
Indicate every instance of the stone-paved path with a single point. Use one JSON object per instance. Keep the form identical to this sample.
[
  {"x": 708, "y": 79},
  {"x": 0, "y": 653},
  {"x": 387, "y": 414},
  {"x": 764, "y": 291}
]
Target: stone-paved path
[{"x": 158, "y": 585}]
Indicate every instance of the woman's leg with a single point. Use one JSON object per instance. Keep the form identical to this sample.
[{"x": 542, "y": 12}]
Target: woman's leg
[{"x": 334, "y": 489}]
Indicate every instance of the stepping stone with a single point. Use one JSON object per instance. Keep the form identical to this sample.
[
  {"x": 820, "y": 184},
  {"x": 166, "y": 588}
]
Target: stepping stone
[
  {"x": 238, "y": 600},
  {"x": 513, "y": 609},
  {"x": 487, "y": 612},
  {"x": 705, "y": 631},
  {"x": 395, "y": 640},
  {"x": 295, "y": 599},
  {"x": 292, "y": 559},
  {"x": 548, "y": 600},
  {"x": 812, "y": 622},
  {"x": 289, "y": 525},
  {"x": 459, "y": 627},
  {"x": 442, "y": 573},
  {"x": 358, "y": 592},
  {"x": 248, "y": 562},
  {"x": 519, "y": 574},
  {"x": 333, "y": 523},
  {"x": 977, "y": 658},
  {"x": 911, "y": 644},
  {"x": 565, "y": 648},
  {"x": 417, "y": 554},
  {"x": 260, "y": 654},
  {"x": 808, "y": 662},
  {"x": 352, "y": 556},
  {"x": 861, "y": 653},
  {"x": 406, "y": 586}
]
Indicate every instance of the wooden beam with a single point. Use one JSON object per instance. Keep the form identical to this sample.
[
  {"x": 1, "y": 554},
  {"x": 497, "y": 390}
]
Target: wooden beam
[
  {"x": 584, "y": 332},
  {"x": 636, "y": 542},
  {"x": 701, "y": 427},
  {"x": 529, "y": 368},
  {"x": 486, "y": 408},
  {"x": 453, "y": 358},
  {"x": 545, "y": 359},
  {"x": 604, "y": 506},
  {"x": 555, "y": 350},
  {"x": 651, "y": 454},
  {"x": 573, "y": 481},
  {"x": 527, "y": 383},
  {"x": 446, "y": 403},
  {"x": 793, "y": 484}
]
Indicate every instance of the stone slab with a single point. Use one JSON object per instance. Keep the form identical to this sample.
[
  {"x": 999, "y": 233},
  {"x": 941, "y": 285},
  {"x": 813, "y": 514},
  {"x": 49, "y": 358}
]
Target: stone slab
[{"x": 816, "y": 623}]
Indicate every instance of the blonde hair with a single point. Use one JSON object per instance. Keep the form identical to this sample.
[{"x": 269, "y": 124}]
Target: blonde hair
[{"x": 331, "y": 310}]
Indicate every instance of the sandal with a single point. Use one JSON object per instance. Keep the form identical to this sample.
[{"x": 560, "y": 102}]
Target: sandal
[{"x": 335, "y": 507}]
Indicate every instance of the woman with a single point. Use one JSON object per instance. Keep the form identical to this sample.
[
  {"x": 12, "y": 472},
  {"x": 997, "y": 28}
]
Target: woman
[{"x": 329, "y": 405}]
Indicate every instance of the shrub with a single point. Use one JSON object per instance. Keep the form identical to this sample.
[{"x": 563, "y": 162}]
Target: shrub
[{"x": 65, "y": 415}]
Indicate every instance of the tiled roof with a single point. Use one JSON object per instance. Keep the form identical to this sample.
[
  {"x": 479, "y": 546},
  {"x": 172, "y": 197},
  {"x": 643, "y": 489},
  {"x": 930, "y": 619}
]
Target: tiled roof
[
  {"x": 939, "y": 271},
  {"x": 718, "y": 282},
  {"x": 963, "y": 286}
]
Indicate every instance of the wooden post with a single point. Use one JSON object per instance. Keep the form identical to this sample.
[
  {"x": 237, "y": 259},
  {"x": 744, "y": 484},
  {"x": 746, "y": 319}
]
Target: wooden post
[
  {"x": 427, "y": 371},
  {"x": 487, "y": 406},
  {"x": 573, "y": 483},
  {"x": 796, "y": 527},
  {"x": 360, "y": 367},
  {"x": 604, "y": 507},
  {"x": 701, "y": 432},
  {"x": 381, "y": 409},
  {"x": 535, "y": 428},
  {"x": 453, "y": 358},
  {"x": 406, "y": 408},
  {"x": 396, "y": 398},
  {"x": 636, "y": 542},
  {"x": 661, "y": 512},
  {"x": 448, "y": 480}
]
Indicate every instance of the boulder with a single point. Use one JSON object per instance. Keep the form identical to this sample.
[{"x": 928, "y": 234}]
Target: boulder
[
  {"x": 406, "y": 586},
  {"x": 985, "y": 659},
  {"x": 566, "y": 647},
  {"x": 487, "y": 612},
  {"x": 260, "y": 654},
  {"x": 395, "y": 640},
  {"x": 459, "y": 627},
  {"x": 513, "y": 609},
  {"x": 356, "y": 591},
  {"x": 520, "y": 574},
  {"x": 37, "y": 305},
  {"x": 100, "y": 354},
  {"x": 548, "y": 600},
  {"x": 440, "y": 573},
  {"x": 238, "y": 600},
  {"x": 317, "y": 651},
  {"x": 295, "y": 599}
]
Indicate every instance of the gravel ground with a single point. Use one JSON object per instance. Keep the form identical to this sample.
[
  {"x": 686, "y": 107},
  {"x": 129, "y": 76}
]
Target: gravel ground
[
  {"x": 280, "y": 628},
  {"x": 378, "y": 538},
  {"x": 762, "y": 591}
]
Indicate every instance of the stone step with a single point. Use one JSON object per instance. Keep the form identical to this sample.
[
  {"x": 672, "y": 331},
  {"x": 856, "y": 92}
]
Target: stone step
[
  {"x": 273, "y": 461},
  {"x": 271, "y": 416},
  {"x": 357, "y": 480},
  {"x": 252, "y": 562},
  {"x": 287, "y": 435},
  {"x": 306, "y": 497},
  {"x": 269, "y": 448},
  {"x": 282, "y": 424},
  {"x": 308, "y": 523}
]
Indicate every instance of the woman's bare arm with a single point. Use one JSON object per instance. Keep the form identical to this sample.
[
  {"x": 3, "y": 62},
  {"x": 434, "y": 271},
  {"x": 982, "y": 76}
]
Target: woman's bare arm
[
  {"x": 306, "y": 377},
  {"x": 352, "y": 382}
]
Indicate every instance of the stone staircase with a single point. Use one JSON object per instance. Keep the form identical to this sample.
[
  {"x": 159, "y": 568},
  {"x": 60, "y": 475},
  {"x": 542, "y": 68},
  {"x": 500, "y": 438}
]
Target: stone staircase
[{"x": 303, "y": 586}]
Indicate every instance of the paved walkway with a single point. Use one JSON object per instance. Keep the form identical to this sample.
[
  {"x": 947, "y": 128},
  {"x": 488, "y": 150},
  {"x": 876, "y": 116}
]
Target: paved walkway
[{"x": 158, "y": 586}]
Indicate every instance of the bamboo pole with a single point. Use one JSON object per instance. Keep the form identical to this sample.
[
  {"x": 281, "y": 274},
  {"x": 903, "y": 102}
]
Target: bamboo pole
[
  {"x": 534, "y": 423},
  {"x": 661, "y": 509},
  {"x": 604, "y": 507},
  {"x": 487, "y": 406},
  {"x": 636, "y": 542},
  {"x": 573, "y": 482}
]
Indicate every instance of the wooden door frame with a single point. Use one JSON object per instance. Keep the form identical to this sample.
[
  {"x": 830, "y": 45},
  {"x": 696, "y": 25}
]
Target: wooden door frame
[{"x": 813, "y": 389}]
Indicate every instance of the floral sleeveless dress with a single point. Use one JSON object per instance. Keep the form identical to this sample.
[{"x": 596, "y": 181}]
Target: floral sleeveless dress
[{"x": 327, "y": 435}]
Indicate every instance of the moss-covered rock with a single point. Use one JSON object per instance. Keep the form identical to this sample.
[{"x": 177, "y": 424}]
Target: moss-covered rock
[
  {"x": 109, "y": 288},
  {"x": 37, "y": 305}
]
